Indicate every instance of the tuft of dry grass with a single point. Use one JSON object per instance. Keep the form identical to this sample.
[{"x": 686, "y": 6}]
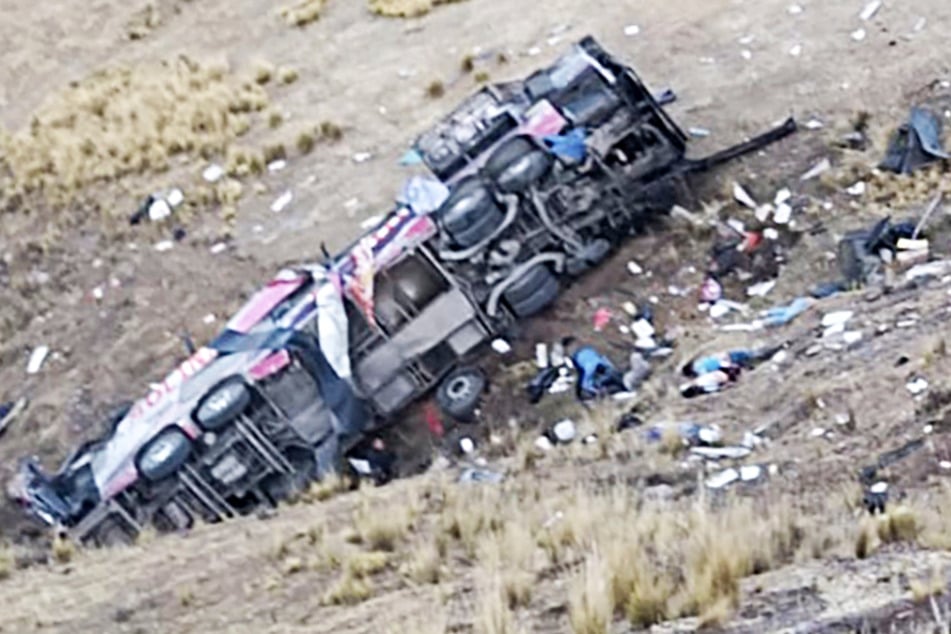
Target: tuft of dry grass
[
  {"x": 274, "y": 118},
  {"x": 899, "y": 524},
  {"x": 348, "y": 590},
  {"x": 436, "y": 89},
  {"x": 7, "y": 562},
  {"x": 382, "y": 530},
  {"x": 128, "y": 120},
  {"x": 263, "y": 72},
  {"x": 302, "y": 13},
  {"x": 591, "y": 606},
  {"x": 424, "y": 565},
  {"x": 405, "y": 8},
  {"x": 327, "y": 488},
  {"x": 143, "y": 22},
  {"x": 482, "y": 77},
  {"x": 63, "y": 549},
  {"x": 330, "y": 131},
  {"x": 287, "y": 75},
  {"x": 365, "y": 564},
  {"x": 924, "y": 588},
  {"x": 494, "y": 615},
  {"x": 305, "y": 141}
]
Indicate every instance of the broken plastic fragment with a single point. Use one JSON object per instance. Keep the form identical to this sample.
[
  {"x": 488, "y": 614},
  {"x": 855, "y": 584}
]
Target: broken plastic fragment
[
  {"x": 870, "y": 10},
  {"x": 879, "y": 487},
  {"x": 219, "y": 247},
  {"x": 858, "y": 35},
  {"x": 209, "y": 318},
  {"x": 814, "y": 124},
  {"x": 466, "y": 445},
  {"x": 164, "y": 245},
  {"x": 743, "y": 197},
  {"x": 282, "y": 201},
  {"x": 750, "y": 473},
  {"x": 631, "y": 30},
  {"x": 276, "y": 166},
  {"x": 634, "y": 268},
  {"x": 762, "y": 289},
  {"x": 817, "y": 170},
  {"x": 837, "y": 318},
  {"x": 699, "y": 133},
  {"x": 796, "y": 50},
  {"x": 159, "y": 210},
  {"x": 213, "y": 173},
  {"x": 501, "y": 346},
  {"x": 782, "y": 196},
  {"x": 917, "y": 386},
  {"x": 794, "y": 9},
  {"x": 36, "y": 359},
  {"x": 362, "y": 157},
  {"x": 783, "y": 214},
  {"x": 723, "y": 479},
  {"x": 857, "y": 189},
  {"x": 175, "y": 197}
]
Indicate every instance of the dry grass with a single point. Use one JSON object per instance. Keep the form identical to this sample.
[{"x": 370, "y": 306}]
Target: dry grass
[
  {"x": 924, "y": 588},
  {"x": 365, "y": 564},
  {"x": 303, "y": 13},
  {"x": 263, "y": 72},
  {"x": 382, "y": 529},
  {"x": 7, "y": 562},
  {"x": 591, "y": 606},
  {"x": 143, "y": 22},
  {"x": 287, "y": 75},
  {"x": 424, "y": 564},
  {"x": 129, "y": 120},
  {"x": 63, "y": 549},
  {"x": 898, "y": 525},
  {"x": 494, "y": 614},
  {"x": 330, "y": 131},
  {"x": 435, "y": 89},
  {"x": 349, "y": 590}
]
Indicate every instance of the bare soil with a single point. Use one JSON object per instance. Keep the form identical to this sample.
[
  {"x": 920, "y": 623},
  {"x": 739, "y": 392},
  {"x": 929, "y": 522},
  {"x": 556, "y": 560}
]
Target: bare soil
[{"x": 369, "y": 76}]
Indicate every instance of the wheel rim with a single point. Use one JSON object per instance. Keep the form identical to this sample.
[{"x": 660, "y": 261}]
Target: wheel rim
[{"x": 458, "y": 388}]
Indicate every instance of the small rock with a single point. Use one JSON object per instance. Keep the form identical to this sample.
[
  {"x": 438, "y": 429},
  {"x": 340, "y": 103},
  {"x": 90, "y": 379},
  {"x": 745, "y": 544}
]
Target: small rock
[
  {"x": 282, "y": 201},
  {"x": 634, "y": 268},
  {"x": 858, "y": 35},
  {"x": 794, "y": 9},
  {"x": 631, "y": 30},
  {"x": 213, "y": 173},
  {"x": 796, "y": 50}
]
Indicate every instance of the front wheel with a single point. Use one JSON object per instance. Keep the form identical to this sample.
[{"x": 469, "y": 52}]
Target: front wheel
[{"x": 532, "y": 292}]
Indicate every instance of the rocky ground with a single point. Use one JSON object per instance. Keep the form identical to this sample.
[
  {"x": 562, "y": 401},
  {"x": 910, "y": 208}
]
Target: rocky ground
[{"x": 791, "y": 552}]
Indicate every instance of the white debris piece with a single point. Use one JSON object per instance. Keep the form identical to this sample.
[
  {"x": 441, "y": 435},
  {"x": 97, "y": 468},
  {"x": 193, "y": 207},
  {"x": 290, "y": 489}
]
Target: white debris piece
[
  {"x": 631, "y": 30},
  {"x": 175, "y": 197},
  {"x": 213, "y": 173},
  {"x": 817, "y": 170},
  {"x": 920, "y": 24},
  {"x": 870, "y": 10},
  {"x": 750, "y": 473},
  {"x": 209, "y": 318},
  {"x": 219, "y": 247},
  {"x": 542, "y": 443},
  {"x": 852, "y": 337},
  {"x": 276, "y": 166},
  {"x": 763, "y": 212},
  {"x": 541, "y": 355},
  {"x": 466, "y": 445},
  {"x": 282, "y": 201},
  {"x": 794, "y": 9},
  {"x": 746, "y": 40},
  {"x": 98, "y": 293},
  {"x": 534, "y": 51},
  {"x": 699, "y": 133},
  {"x": 814, "y": 124},
  {"x": 945, "y": 464},
  {"x": 783, "y": 214},
  {"x": 723, "y": 479},
  {"x": 762, "y": 289},
  {"x": 642, "y": 329},
  {"x": 746, "y": 54},
  {"x": 879, "y": 487},
  {"x": 36, "y": 359},
  {"x": 770, "y": 234},
  {"x": 796, "y": 50},
  {"x": 906, "y": 244},
  {"x": 501, "y": 346},
  {"x": 782, "y": 196},
  {"x": 164, "y": 245},
  {"x": 858, "y": 35},
  {"x": 818, "y": 432},
  {"x": 634, "y": 268},
  {"x": 565, "y": 431},
  {"x": 917, "y": 386},
  {"x": 159, "y": 210},
  {"x": 857, "y": 189},
  {"x": 837, "y": 318},
  {"x": 362, "y": 157},
  {"x": 743, "y": 197}
]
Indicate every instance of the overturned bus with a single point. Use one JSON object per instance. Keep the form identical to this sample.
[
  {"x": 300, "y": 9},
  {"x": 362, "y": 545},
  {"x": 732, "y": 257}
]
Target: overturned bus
[{"x": 533, "y": 182}]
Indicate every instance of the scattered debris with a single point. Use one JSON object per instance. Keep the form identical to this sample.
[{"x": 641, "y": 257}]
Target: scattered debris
[
  {"x": 634, "y": 268},
  {"x": 743, "y": 197},
  {"x": 762, "y": 289},
  {"x": 857, "y": 189},
  {"x": 699, "y": 133},
  {"x": 164, "y": 245},
  {"x": 10, "y": 411},
  {"x": 282, "y": 201},
  {"x": 473, "y": 475},
  {"x": 631, "y": 30},
  {"x": 858, "y": 34},
  {"x": 213, "y": 173},
  {"x": 917, "y": 386},
  {"x": 817, "y": 170},
  {"x": 915, "y": 144},
  {"x": 870, "y": 10},
  {"x": 37, "y": 357},
  {"x": 501, "y": 346},
  {"x": 362, "y": 157},
  {"x": 277, "y": 165}
]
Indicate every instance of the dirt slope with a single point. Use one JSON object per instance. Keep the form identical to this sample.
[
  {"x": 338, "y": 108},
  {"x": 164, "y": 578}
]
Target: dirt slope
[{"x": 369, "y": 76}]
